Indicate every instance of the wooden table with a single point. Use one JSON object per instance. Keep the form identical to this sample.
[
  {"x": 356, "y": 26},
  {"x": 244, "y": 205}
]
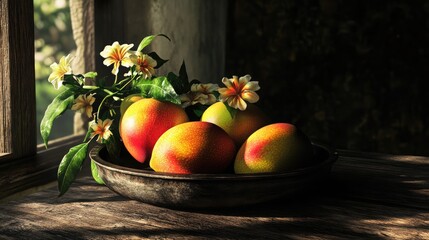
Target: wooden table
[{"x": 368, "y": 196}]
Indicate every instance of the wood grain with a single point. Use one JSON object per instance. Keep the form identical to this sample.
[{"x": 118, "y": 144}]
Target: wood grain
[
  {"x": 18, "y": 110},
  {"x": 82, "y": 20},
  {"x": 5, "y": 130},
  {"x": 197, "y": 30},
  {"x": 26, "y": 173},
  {"x": 198, "y": 33},
  {"x": 388, "y": 179},
  {"x": 108, "y": 27},
  {"x": 343, "y": 209}
]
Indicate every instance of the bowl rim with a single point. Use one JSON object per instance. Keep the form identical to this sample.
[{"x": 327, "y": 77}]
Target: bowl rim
[{"x": 95, "y": 156}]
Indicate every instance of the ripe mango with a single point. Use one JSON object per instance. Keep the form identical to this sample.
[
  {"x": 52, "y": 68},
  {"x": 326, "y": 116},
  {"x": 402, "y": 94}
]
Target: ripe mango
[
  {"x": 193, "y": 147},
  {"x": 238, "y": 124},
  {"x": 144, "y": 122},
  {"x": 128, "y": 100},
  {"x": 277, "y": 147}
]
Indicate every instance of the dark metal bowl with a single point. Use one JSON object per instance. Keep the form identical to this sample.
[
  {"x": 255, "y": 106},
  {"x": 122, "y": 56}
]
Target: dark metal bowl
[{"x": 139, "y": 182}]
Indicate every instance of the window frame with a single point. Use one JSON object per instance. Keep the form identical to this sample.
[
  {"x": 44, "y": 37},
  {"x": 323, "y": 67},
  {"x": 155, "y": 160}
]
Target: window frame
[
  {"x": 24, "y": 166},
  {"x": 18, "y": 115}
]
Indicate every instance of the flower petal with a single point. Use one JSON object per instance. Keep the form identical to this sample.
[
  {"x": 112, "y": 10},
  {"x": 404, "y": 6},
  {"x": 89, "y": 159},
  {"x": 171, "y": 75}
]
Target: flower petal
[
  {"x": 76, "y": 106},
  {"x": 107, "y": 51},
  {"x": 151, "y": 61},
  {"x": 115, "y": 69},
  {"x": 235, "y": 82},
  {"x": 226, "y": 92},
  {"x": 212, "y": 87},
  {"x": 250, "y": 96},
  {"x": 93, "y": 134},
  {"x": 252, "y": 86},
  {"x": 245, "y": 79},
  {"x": 227, "y": 82},
  {"x": 94, "y": 127},
  {"x": 241, "y": 104},
  {"x": 107, "y": 123},
  {"x": 127, "y": 62},
  {"x": 91, "y": 99},
  {"x": 54, "y": 66},
  {"x": 236, "y": 102},
  {"x": 108, "y": 61},
  {"x": 57, "y": 83},
  {"x": 211, "y": 98},
  {"x": 107, "y": 134},
  {"x": 88, "y": 111}
]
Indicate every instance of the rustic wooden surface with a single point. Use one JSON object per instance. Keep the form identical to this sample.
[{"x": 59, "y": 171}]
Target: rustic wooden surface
[
  {"x": 368, "y": 196},
  {"x": 17, "y": 89},
  {"x": 27, "y": 173},
  {"x": 82, "y": 20},
  {"x": 197, "y": 30}
]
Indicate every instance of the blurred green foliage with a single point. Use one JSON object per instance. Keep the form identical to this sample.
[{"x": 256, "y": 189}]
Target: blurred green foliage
[
  {"x": 53, "y": 39},
  {"x": 352, "y": 74}
]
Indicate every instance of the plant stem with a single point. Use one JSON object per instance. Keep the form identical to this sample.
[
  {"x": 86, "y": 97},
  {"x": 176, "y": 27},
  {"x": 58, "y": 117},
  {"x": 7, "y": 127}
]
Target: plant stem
[
  {"x": 89, "y": 87},
  {"x": 110, "y": 94},
  {"x": 108, "y": 91},
  {"x": 126, "y": 84},
  {"x": 123, "y": 80},
  {"x": 92, "y": 88},
  {"x": 101, "y": 104}
]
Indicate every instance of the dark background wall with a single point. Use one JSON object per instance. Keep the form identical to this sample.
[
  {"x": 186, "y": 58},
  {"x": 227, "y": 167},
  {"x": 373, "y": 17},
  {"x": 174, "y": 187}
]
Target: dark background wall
[{"x": 352, "y": 74}]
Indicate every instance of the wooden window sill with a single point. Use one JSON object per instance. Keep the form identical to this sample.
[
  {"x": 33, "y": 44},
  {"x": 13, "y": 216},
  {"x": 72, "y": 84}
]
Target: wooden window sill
[{"x": 18, "y": 176}]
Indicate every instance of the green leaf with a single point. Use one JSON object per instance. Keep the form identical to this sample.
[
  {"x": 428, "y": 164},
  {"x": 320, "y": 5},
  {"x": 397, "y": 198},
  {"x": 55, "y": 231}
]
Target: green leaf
[
  {"x": 159, "y": 60},
  {"x": 72, "y": 82},
  {"x": 58, "y": 106},
  {"x": 195, "y": 112},
  {"x": 112, "y": 146},
  {"x": 70, "y": 166},
  {"x": 95, "y": 174},
  {"x": 178, "y": 84},
  {"x": 68, "y": 79},
  {"x": 147, "y": 40},
  {"x": 90, "y": 74},
  {"x": 158, "y": 88},
  {"x": 232, "y": 111},
  {"x": 183, "y": 75},
  {"x": 199, "y": 110},
  {"x": 194, "y": 81},
  {"x": 88, "y": 133}
]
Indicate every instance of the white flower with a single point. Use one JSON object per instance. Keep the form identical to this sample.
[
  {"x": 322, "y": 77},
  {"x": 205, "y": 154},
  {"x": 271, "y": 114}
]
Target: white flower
[
  {"x": 117, "y": 55},
  {"x": 101, "y": 128},
  {"x": 84, "y": 103},
  {"x": 238, "y": 91},
  {"x": 59, "y": 70}
]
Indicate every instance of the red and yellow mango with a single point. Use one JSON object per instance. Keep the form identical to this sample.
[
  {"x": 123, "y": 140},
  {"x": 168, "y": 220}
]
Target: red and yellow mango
[
  {"x": 277, "y": 147},
  {"x": 193, "y": 147},
  {"x": 238, "y": 124},
  {"x": 144, "y": 122}
]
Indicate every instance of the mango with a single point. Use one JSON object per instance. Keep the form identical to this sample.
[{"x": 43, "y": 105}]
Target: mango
[
  {"x": 238, "y": 124},
  {"x": 128, "y": 100},
  {"x": 277, "y": 147},
  {"x": 144, "y": 122},
  {"x": 193, "y": 147}
]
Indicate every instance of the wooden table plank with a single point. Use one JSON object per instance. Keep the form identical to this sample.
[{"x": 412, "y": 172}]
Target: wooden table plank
[
  {"x": 366, "y": 198},
  {"x": 403, "y": 183},
  {"x": 90, "y": 210}
]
